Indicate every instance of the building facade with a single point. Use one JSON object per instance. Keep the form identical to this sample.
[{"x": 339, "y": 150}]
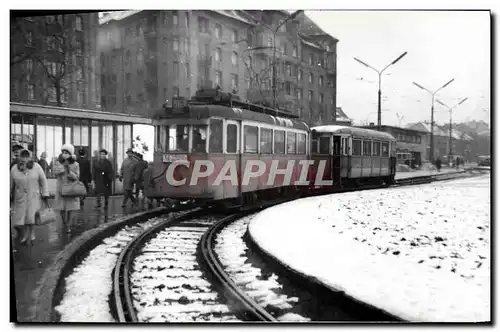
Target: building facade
[
  {"x": 410, "y": 144},
  {"x": 53, "y": 60},
  {"x": 149, "y": 57}
]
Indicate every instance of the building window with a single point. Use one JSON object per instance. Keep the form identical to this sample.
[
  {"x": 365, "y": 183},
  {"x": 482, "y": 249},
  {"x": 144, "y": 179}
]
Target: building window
[
  {"x": 29, "y": 39},
  {"x": 176, "y": 70},
  {"x": 218, "y": 30},
  {"x": 234, "y": 59},
  {"x": 311, "y": 78},
  {"x": 176, "y": 91},
  {"x": 321, "y": 99},
  {"x": 288, "y": 88},
  {"x": 283, "y": 48},
  {"x": 299, "y": 94},
  {"x": 175, "y": 18},
  {"x": 218, "y": 78},
  {"x": 248, "y": 83},
  {"x": 270, "y": 41},
  {"x": 78, "y": 23},
  {"x": 176, "y": 45},
  {"x": 31, "y": 91},
  {"x": 29, "y": 66},
  {"x": 311, "y": 59},
  {"x": 282, "y": 26},
  {"x": 79, "y": 47},
  {"x": 320, "y": 81},
  {"x": 234, "y": 82},
  {"x": 310, "y": 95},
  {"x": 202, "y": 25},
  {"x": 250, "y": 62},
  {"x": 300, "y": 74},
  {"x": 187, "y": 20},
  {"x": 52, "y": 94},
  {"x": 234, "y": 36},
  {"x": 218, "y": 54},
  {"x": 294, "y": 51},
  {"x": 50, "y": 19}
]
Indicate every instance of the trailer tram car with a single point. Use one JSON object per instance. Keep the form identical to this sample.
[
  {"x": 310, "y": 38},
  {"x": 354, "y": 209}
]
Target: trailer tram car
[
  {"x": 218, "y": 128},
  {"x": 353, "y": 156}
]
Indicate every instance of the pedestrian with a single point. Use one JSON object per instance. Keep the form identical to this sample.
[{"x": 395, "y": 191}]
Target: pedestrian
[
  {"x": 28, "y": 188},
  {"x": 102, "y": 178},
  {"x": 66, "y": 170},
  {"x": 85, "y": 173},
  {"x": 438, "y": 164},
  {"x": 140, "y": 168},
  {"x": 16, "y": 150},
  {"x": 127, "y": 176},
  {"x": 457, "y": 162},
  {"x": 43, "y": 163}
]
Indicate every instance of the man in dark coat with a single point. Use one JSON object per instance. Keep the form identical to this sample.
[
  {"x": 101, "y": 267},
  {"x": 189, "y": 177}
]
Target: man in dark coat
[
  {"x": 102, "y": 176},
  {"x": 127, "y": 175},
  {"x": 438, "y": 164},
  {"x": 85, "y": 172},
  {"x": 140, "y": 167}
]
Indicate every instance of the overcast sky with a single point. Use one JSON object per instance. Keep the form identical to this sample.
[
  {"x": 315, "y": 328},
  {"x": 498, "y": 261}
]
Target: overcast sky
[{"x": 441, "y": 45}]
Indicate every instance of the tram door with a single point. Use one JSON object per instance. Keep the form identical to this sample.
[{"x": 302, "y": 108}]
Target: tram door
[{"x": 336, "y": 159}]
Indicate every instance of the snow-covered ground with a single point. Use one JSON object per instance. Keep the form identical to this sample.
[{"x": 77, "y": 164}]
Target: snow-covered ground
[{"x": 421, "y": 253}]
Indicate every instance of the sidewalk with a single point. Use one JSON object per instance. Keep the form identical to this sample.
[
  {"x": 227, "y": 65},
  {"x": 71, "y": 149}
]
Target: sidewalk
[
  {"x": 406, "y": 175},
  {"x": 29, "y": 262}
]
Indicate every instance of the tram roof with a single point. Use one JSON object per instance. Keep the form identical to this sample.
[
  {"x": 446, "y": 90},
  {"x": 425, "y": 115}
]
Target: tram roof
[
  {"x": 77, "y": 113},
  {"x": 209, "y": 110},
  {"x": 354, "y": 131}
]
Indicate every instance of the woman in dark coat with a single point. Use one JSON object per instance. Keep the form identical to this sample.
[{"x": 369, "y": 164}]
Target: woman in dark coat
[{"x": 102, "y": 176}]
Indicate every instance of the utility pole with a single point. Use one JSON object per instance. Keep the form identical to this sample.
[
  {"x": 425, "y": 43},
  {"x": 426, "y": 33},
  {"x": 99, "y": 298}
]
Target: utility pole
[
  {"x": 431, "y": 157},
  {"x": 450, "y": 109},
  {"x": 379, "y": 72}
]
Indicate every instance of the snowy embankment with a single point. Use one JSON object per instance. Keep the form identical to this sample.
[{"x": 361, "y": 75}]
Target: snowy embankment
[
  {"x": 421, "y": 253},
  {"x": 88, "y": 288}
]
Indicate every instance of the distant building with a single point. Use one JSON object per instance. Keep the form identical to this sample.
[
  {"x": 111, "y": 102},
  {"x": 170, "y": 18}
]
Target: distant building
[
  {"x": 410, "y": 144},
  {"x": 53, "y": 60},
  {"x": 342, "y": 119},
  {"x": 148, "y": 57}
]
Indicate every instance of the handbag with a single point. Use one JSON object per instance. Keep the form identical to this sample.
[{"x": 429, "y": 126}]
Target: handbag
[
  {"x": 73, "y": 189},
  {"x": 45, "y": 215}
]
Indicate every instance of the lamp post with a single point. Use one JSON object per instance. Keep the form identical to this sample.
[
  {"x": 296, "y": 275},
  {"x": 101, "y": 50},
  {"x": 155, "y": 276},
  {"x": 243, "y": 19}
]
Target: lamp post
[
  {"x": 432, "y": 112},
  {"x": 450, "y": 109},
  {"x": 379, "y": 84},
  {"x": 291, "y": 17}
]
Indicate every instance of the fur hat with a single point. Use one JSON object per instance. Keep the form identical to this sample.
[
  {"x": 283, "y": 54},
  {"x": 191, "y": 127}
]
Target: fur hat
[{"x": 68, "y": 147}]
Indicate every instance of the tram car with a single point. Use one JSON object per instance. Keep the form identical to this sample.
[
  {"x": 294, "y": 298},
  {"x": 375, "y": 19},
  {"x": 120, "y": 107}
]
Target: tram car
[{"x": 227, "y": 136}]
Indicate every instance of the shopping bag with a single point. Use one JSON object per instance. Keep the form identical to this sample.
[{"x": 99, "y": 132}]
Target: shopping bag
[
  {"x": 73, "y": 189},
  {"x": 45, "y": 215}
]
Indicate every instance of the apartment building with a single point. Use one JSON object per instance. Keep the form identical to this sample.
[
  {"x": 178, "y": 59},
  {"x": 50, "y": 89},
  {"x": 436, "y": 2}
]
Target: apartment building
[
  {"x": 149, "y": 57},
  {"x": 53, "y": 60}
]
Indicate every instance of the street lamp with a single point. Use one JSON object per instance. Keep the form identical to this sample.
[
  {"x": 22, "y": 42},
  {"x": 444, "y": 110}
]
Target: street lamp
[
  {"x": 379, "y": 83},
  {"x": 432, "y": 112},
  {"x": 450, "y": 109},
  {"x": 291, "y": 17}
]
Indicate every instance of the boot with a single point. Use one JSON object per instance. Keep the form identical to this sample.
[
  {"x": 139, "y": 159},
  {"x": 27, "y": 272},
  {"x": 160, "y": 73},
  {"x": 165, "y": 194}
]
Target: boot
[{"x": 25, "y": 235}]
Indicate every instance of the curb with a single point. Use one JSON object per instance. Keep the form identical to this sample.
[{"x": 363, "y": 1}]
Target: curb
[
  {"x": 46, "y": 295},
  {"x": 319, "y": 288}
]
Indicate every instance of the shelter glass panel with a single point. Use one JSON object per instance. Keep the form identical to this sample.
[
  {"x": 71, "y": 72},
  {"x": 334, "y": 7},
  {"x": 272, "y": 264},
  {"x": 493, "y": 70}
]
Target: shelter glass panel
[
  {"x": 49, "y": 139},
  {"x": 120, "y": 146}
]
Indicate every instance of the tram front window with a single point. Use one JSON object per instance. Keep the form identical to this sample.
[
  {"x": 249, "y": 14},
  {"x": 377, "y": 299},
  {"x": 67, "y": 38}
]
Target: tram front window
[
  {"x": 200, "y": 138},
  {"x": 179, "y": 138}
]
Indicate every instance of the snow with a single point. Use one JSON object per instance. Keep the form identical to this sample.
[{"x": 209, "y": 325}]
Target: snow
[{"x": 421, "y": 253}]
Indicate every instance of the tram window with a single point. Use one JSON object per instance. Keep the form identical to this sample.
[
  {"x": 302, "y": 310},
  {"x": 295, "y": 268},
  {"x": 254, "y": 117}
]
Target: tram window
[
  {"x": 179, "y": 138},
  {"x": 367, "y": 148},
  {"x": 301, "y": 143},
  {"x": 279, "y": 142},
  {"x": 291, "y": 143},
  {"x": 199, "y": 138},
  {"x": 376, "y": 148},
  {"x": 232, "y": 138},
  {"x": 250, "y": 139},
  {"x": 215, "y": 135},
  {"x": 314, "y": 142},
  {"x": 324, "y": 145},
  {"x": 385, "y": 149},
  {"x": 266, "y": 140},
  {"x": 356, "y": 147},
  {"x": 345, "y": 146}
]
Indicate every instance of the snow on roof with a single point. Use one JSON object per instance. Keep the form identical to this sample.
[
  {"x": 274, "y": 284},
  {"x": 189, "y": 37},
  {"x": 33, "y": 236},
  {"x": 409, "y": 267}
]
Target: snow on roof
[
  {"x": 354, "y": 131},
  {"x": 234, "y": 15},
  {"x": 421, "y": 253},
  {"x": 117, "y": 16},
  {"x": 311, "y": 44}
]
